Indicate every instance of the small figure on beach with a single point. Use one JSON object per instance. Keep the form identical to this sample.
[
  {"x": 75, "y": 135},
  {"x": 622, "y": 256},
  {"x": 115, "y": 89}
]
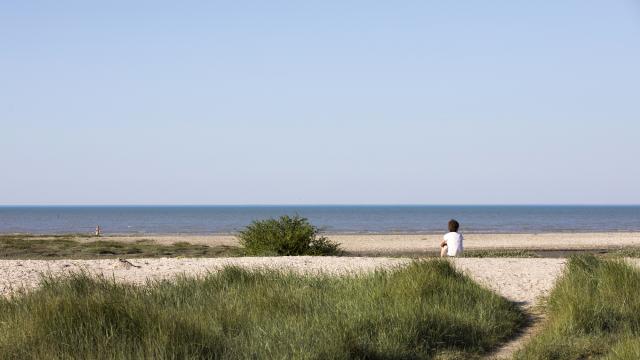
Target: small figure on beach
[
  {"x": 98, "y": 230},
  {"x": 452, "y": 243}
]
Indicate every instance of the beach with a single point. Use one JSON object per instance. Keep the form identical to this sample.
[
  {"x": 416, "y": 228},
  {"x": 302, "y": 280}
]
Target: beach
[
  {"x": 398, "y": 244},
  {"x": 518, "y": 279},
  {"x": 525, "y": 281}
]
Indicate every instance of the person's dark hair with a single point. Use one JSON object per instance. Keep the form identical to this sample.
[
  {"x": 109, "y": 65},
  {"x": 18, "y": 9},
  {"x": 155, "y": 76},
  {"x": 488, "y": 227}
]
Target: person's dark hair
[{"x": 453, "y": 225}]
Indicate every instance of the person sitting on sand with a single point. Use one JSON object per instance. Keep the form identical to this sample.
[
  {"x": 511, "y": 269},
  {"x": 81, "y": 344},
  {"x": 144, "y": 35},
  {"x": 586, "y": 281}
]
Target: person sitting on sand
[{"x": 452, "y": 243}]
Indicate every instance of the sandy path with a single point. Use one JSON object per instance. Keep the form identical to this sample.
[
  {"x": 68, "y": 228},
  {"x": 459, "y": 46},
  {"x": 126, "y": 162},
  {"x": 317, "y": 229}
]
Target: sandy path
[
  {"x": 521, "y": 280},
  {"x": 416, "y": 243},
  {"x": 537, "y": 321},
  {"x": 524, "y": 281},
  {"x": 507, "y": 350}
]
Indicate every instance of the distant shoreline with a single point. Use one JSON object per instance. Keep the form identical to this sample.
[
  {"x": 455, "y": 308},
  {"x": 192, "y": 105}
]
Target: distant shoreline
[
  {"x": 325, "y": 233},
  {"x": 332, "y": 220}
]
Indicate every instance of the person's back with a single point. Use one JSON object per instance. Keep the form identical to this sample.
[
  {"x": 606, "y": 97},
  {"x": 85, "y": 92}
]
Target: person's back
[{"x": 452, "y": 243}]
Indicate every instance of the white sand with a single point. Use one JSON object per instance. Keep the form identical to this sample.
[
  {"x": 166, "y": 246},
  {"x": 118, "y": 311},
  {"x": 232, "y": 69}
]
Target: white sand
[
  {"x": 415, "y": 243},
  {"x": 521, "y": 280},
  {"x": 16, "y": 274}
]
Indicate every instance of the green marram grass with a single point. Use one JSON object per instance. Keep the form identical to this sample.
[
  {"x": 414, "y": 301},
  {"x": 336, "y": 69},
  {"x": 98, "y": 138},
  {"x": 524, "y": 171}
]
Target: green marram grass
[
  {"x": 594, "y": 313},
  {"x": 631, "y": 252},
  {"x": 424, "y": 311},
  {"x": 68, "y": 247},
  {"x": 500, "y": 253},
  {"x": 285, "y": 236}
]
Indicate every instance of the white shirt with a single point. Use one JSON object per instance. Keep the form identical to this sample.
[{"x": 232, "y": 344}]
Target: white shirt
[{"x": 454, "y": 243}]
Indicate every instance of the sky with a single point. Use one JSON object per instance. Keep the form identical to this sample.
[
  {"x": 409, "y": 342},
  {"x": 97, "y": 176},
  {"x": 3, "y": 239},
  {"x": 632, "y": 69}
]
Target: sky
[{"x": 320, "y": 102}]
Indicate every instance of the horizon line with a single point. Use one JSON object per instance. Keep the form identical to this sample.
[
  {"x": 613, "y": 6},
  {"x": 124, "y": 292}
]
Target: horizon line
[{"x": 302, "y": 205}]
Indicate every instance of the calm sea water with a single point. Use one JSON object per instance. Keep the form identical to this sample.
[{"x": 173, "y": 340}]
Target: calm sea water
[{"x": 337, "y": 219}]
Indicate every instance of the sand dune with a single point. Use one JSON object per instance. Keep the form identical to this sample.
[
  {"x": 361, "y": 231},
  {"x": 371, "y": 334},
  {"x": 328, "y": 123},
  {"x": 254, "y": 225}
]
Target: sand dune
[{"x": 521, "y": 280}]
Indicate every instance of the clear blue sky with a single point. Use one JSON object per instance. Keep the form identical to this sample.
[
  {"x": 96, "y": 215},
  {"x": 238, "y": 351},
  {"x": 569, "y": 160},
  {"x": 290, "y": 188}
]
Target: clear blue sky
[{"x": 271, "y": 102}]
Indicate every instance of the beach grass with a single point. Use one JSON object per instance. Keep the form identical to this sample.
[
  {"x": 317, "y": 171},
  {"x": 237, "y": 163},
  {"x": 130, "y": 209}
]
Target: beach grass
[
  {"x": 593, "y": 312},
  {"x": 631, "y": 252},
  {"x": 424, "y": 311},
  {"x": 500, "y": 253},
  {"x": 67, "y": 247}
]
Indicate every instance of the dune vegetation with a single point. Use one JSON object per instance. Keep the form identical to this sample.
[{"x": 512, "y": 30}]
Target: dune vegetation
[
  {"x": 286, "y": 236},
  {"x": 423, "y": 311},
  {"x": 499, "y": 253},
  {"x": 593, "y": 312},
  {"x": 68, "y": 247}
]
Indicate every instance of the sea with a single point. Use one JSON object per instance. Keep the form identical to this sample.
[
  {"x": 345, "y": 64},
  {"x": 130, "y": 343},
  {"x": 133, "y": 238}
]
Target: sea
[{"x": 357, "y": 219}]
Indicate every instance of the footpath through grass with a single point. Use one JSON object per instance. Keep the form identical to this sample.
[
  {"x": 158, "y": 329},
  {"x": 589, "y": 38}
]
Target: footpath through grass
[
  {"x": 594, "y": 313},
  {"x": 426, "y": 310}
]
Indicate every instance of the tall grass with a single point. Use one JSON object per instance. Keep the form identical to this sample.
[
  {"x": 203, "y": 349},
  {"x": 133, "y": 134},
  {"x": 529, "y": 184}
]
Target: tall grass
[
  {"x": 493, "y": 253},
  {"x": 423, "y": 311},
  {"x": 632, "y": 252},
  {"x": 594, "y": 312}
]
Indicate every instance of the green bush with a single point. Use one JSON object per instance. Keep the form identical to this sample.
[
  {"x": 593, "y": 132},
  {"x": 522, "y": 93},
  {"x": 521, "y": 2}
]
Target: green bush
[
  {"x": 427, "y": 310},
  {"x": 286, "y": 236}
]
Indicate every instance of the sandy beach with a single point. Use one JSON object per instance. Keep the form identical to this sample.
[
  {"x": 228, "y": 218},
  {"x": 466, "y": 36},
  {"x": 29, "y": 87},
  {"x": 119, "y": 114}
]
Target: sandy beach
[
  {"x": 392, "y": 244},
  {"x": 519, "y": 279}
]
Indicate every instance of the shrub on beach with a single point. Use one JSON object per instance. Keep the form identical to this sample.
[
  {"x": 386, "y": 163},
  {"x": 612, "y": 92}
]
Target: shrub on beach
[{"x": 286, "y": 236}]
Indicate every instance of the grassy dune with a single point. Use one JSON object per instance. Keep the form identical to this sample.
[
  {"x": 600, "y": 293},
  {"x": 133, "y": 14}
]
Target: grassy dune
[
  {"x": 594, "y": 312},
  {"x": 427, "y": 310},
  {"x": 67, "y": 247}
]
